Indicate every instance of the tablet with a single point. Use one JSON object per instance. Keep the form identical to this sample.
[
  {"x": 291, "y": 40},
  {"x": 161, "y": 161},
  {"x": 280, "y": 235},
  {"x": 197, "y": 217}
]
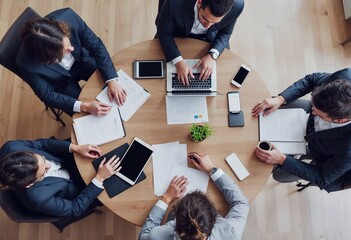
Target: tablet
[
  {"x": 148, "y": 69},
  {"x": 134, "y": 160}
]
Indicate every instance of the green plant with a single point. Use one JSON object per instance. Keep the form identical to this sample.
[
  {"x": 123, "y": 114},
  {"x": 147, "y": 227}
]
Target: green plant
[{"x": 199, "y": 132}]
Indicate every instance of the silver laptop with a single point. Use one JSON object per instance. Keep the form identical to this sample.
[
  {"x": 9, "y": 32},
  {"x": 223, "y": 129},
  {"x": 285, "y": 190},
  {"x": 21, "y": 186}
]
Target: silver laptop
[{"x": 197, "y": 87}]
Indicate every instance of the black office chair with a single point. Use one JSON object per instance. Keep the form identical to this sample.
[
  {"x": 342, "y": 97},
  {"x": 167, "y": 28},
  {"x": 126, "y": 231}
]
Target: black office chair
[
  {"x": 14, "y": 209},
  {"x": 10, "y": 44}
]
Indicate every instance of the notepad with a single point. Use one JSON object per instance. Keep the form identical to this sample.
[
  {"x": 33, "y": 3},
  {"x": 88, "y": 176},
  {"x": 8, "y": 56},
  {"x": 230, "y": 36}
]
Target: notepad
[
  {"x": 286, "y": 129},
  {"x": 136, "y": 96},
  {"x": 99, "y": 130}
]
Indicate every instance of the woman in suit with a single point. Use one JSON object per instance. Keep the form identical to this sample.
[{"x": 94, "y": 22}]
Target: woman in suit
[
  {"x": 44, "y": 176},
  {"x": 58, "y": 51}
]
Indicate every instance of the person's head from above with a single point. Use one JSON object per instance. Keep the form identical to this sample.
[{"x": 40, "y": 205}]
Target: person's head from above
[
  {"x": 22, "y": 169},
  {"x": 195, "y": 217},
  {"x": 332, "y": 101},
  {"x": 212, "y": 11},
  {"x": 47, "y": 39}
]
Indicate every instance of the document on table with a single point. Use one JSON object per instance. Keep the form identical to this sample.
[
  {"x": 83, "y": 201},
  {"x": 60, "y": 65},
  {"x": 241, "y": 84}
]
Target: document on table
[
  {"x": 197, "y": 179},
  {"x": 286, "y": 129},
  {"x": 182, "y": 109},
  {"x": 99, "y": 130},
  {"x": 164, "y": 158},
  {"x": 136, "y": 96}
]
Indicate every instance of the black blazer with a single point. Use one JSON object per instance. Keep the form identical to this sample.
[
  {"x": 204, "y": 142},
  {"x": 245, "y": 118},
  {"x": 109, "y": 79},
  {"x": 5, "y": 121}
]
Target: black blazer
[
  {"x": 177, "y": 17},
  {"x": 330, "y": 149},
  {"x": 53, "y": 196},
  {"x": 47, "y": 80}
]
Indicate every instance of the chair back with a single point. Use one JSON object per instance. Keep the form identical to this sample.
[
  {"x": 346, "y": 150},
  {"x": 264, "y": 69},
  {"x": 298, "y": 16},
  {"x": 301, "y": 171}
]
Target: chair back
[
  {"x": 11, "y": 42},
  {"x": 15, "y": 210}
]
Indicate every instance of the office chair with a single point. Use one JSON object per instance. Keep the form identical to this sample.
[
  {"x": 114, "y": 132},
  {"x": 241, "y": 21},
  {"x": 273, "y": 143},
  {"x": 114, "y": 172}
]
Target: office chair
[
  {"x": 10, "y": 45},
  {"x": 14, "y": 209}
]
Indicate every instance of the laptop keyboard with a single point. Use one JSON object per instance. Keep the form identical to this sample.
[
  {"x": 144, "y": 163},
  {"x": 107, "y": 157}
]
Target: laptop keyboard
[{"x": 195, "y": 83}]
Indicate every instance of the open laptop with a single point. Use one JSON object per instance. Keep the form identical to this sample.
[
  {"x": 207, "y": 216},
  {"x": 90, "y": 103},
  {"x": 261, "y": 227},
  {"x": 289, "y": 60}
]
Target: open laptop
[{"x": 197, "y": 87}]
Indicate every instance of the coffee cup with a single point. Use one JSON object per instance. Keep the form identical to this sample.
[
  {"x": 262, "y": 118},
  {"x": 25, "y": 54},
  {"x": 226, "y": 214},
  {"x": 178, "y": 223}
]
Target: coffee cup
[{"x": 265, "y": 145}]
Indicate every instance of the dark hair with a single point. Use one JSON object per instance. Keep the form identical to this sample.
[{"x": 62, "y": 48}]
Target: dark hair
[
  {"x": 334, "y": 99},
  {"x": 218, "y": 8},
  {"x": 44, "y": 38},
  {"x": 195, "y": 216},
  {"x": 17, "y": 170}
]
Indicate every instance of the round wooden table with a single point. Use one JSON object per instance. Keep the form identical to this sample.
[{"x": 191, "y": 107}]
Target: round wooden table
[{"x": 149, "y": 123}]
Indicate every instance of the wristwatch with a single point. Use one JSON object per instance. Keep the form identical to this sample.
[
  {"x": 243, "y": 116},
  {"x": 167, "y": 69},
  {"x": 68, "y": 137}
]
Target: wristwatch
[
  {"x": 214, "y": 55},
  {"x": 213, "y": 170}
]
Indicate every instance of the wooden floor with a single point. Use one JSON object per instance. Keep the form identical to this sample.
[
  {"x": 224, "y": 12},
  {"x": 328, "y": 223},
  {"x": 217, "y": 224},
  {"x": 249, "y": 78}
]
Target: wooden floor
[{"x": 283, "y": 41}]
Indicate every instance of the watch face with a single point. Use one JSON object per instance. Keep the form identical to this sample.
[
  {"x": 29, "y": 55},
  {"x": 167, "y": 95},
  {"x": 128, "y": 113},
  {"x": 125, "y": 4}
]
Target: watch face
[{"x": 214, "y": 55}]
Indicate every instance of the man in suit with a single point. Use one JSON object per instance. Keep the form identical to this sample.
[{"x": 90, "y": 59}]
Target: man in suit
[
  {"x": 194, "y": 215},
  {"x": 43, "y": 175},
  {"x": 328, "y": 131},
  {"x": 209, "y": 20},
  {"x": 58, "y": 51}
]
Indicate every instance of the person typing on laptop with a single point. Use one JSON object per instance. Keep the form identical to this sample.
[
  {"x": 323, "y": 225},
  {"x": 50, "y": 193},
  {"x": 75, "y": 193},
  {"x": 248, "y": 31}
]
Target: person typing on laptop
[{"x": 209, "y": 20}]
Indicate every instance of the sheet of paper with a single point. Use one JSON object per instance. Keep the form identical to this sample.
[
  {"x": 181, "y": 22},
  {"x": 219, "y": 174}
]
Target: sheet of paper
[
  {"x": 291, "y": 147},
  {"x": 99, "y": 130},
  {"x": 163, "y": 159},
  {"x": 287, "y": 125},
  {"x": 136, "y": 96},
  {"x": 197, "y": 179},
  {"x": 183, "y": 109}
]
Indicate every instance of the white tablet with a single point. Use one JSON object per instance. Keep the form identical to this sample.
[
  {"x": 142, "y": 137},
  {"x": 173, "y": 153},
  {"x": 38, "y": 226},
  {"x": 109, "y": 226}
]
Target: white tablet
[{"x": 134, "y": 160}]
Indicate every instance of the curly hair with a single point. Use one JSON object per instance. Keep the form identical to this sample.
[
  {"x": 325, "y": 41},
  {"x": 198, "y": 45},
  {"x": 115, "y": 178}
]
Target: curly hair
[
  {"x": 44, "y": 38},
  {"x": 218, "y": 8},
  {"x": 195, "y": 216},
  {"x": 334, "y": 98},
  {"x": 18, "y": 170}
]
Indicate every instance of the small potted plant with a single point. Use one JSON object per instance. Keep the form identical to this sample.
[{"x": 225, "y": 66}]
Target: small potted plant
[{"x": 199, "y": 132}]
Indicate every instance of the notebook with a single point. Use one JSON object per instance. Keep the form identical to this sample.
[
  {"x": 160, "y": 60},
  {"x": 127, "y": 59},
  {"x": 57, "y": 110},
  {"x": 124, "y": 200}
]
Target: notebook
[
  {"x": 197, "y": 87},
  {"x": 115, "y": 185}
]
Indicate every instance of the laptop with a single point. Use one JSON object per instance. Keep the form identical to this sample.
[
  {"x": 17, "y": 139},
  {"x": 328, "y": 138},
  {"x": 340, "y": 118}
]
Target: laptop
[{"x": 197, "y": 87}]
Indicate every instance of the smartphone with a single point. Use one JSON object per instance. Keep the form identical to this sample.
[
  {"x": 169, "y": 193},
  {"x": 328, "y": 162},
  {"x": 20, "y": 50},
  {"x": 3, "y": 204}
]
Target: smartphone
[
  {"x": 236, "y": 119},
  {"x": 234, "y": 102},
  {"x": 134, "y": 160},
  {"x": 149, "y": 69},
  {"x": 240, "y": 75}
]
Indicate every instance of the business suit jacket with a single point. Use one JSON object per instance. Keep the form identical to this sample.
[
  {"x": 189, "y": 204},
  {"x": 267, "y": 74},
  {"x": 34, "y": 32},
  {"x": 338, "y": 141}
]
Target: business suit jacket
[
  {"x": 47, "y": 80},
  {"x": 177, "y": 17},
  {"x": 230, "y": 227},
  {"x": 53, "y": 195},
  {"x": 330, "y": 149}
]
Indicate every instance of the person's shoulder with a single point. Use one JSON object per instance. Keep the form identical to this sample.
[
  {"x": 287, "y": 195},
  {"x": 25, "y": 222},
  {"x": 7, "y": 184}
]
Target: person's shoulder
[
  {"x": 342, "y": 74},
  {"x": 10, "y": 147},
  {"x": 62, "y": 14},
  {"x": 238, "y": 5}
]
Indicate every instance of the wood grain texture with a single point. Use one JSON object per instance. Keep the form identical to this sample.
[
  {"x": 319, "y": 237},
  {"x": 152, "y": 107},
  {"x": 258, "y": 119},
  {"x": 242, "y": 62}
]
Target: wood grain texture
[{"x": 282, "y": 41}]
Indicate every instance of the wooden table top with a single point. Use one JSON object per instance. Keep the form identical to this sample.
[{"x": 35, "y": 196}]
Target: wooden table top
[{"x": 150, "y": 124}]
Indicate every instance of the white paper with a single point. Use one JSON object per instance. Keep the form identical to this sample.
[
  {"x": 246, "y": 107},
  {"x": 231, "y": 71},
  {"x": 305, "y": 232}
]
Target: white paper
[
  {"x": 99, "y": 130},
  {"x": 136, "y": 96},
  {"x": 164, "y": 157},
  {"x": 182, "y": 109},
  {"x": 291, "y": 147},
  {"x": 197, "y": 179}
]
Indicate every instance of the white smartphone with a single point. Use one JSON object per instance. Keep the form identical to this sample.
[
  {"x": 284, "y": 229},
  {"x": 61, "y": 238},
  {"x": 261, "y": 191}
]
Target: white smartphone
[
  {"x": 240, "y": 75},
  {"x": 234, "y": 102},
  {"x": 149, "y": 69},
  {"x": 134, "y": 160}
]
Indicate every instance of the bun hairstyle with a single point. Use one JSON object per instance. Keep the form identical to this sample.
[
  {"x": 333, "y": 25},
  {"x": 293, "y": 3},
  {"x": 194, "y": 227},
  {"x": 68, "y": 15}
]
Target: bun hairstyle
[
  {"x": 195, "y": 216},
  {"x": 18, "y": 170}
]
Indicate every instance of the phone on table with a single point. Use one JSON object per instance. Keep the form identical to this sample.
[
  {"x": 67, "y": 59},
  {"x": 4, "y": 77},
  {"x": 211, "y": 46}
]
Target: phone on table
[
  {"x": 235, "y": 115},
  {"x": 240, "y": 75},
  {"x": 134, "y": 160},
  {"x": 148, "y": 69}
]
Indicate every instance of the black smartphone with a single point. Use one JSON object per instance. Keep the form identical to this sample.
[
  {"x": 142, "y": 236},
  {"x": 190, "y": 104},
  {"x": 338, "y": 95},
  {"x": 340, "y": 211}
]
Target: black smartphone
[
  {"x": 149, "y": 69},
  {"x": 240, "y": 75},
  {"x": 236, "y": 119}
]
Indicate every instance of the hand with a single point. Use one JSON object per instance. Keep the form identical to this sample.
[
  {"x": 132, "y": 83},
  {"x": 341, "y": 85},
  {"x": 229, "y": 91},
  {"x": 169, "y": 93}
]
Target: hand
[
  {"x": 272, "y": 157},
  {"x": 117, "y": 92},
  {"x": 184, "y": 71},
  {"x": 87, "y": 150},
  {"x": 107, "y": 170},
  {"x": 201, "y": 161},
  {"x": 176, "y": 189},
  {"x": 95, "y": 108},
  {"x": 267, "y": 106},
  {"x": 206, "y": 63}
]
